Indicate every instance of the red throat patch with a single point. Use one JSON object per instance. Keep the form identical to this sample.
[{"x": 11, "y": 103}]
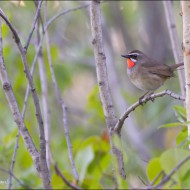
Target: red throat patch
[{"x": 130, "y": 63}]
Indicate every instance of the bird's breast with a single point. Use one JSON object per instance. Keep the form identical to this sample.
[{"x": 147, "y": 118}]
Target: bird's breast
[{"x": 144, "y": 80}]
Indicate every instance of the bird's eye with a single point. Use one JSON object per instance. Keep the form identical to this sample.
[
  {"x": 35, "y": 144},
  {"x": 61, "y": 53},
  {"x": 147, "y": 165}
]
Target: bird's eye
[{"x": 134, "y": 56}]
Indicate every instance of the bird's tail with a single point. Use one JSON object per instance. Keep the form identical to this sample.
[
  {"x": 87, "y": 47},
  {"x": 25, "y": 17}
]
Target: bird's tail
[{"x": 174, "y": 67}]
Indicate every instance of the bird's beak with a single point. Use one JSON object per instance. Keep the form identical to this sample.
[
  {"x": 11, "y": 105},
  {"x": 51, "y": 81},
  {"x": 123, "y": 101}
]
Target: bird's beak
[{"x": 125, "y": 56}]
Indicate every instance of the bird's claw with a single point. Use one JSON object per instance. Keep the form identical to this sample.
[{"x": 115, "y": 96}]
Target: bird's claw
[{"x": 140, "y": 101}]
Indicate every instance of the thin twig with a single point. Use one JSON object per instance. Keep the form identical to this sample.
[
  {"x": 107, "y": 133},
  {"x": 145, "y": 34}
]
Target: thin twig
[
  {"x": 58, "y": 172},
  {"x": 121, "y": 120},
  {"x": 18, "y": 181},
  {"x": 33, "y": 25},
  {"x": 167, "y": 177},
  {"x": 64, "y": 109},
  {"x": 63, "y": 13},
  {"x": 13, "y": 161},
  {"x": 45, "y": 28},
  {"x": 155, "y": 179}
]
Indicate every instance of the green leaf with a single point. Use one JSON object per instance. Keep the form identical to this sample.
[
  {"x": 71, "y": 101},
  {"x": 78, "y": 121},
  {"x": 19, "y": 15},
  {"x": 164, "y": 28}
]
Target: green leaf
[
  {"x": 186, "y": 181},
  {"x": 171, "y": 158},
  {"x": 180, "y": 112},
  {"x": 182, "y": 137},
  {"x": 176, "y": 124},
  {"x": 153, "y": 170},
  {"x": 82, "y": 160}
]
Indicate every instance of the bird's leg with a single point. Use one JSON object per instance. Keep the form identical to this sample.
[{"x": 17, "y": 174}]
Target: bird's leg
[
  {"x": 152, "y": 99},
  {"x": 140, "y": 99}
]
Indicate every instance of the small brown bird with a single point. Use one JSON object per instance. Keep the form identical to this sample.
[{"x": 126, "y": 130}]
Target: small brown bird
[{"x": 147, "y": 74}]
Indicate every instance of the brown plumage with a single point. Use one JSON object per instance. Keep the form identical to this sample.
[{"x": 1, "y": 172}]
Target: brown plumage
[{"x": 146, "y": 73}]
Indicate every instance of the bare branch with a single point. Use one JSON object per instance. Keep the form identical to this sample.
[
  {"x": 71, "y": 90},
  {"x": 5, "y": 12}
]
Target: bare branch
[
  {"x": 104, "y": 90},
  {"x": 18, "y": 135},
  {"x": 33, "y": 25},
  {"x": 43, "y": 170},
  {"x": 121, "y": 120},
  {"x": 15, "y": 110},
  {"x": 40, "y": 45},
  {"x": 59, "y": 173},
  {"x": 63, "y": 13}
]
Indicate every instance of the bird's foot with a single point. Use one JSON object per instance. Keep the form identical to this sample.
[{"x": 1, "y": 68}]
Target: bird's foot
[
  {"x": 151, "y": 98},
  {"x": 140, "y": 100}
]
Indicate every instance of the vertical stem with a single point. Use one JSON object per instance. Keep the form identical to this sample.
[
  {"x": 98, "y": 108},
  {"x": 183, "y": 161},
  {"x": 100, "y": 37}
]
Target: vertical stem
[
  {"x": 44, "y": 97},
  {"x": 176, "y": 47},
  {"x": 186, "y": 53},
  {"x": 62, "y": 104},
  {"x": 104, "y": 89}
]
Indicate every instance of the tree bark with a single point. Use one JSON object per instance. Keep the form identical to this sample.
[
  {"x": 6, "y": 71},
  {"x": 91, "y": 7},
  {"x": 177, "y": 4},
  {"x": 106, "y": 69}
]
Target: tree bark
[{"x": 186, "y": 54}]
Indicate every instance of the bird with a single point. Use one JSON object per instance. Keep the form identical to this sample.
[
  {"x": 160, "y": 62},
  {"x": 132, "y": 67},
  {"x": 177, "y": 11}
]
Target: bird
[{"x": 146, "y": 73}]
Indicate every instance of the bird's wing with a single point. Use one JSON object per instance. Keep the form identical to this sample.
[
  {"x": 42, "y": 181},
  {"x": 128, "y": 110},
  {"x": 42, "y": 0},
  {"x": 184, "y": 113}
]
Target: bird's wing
[
  {"x": 162, "y": 71},
  {"x": 157, "y": 68}
]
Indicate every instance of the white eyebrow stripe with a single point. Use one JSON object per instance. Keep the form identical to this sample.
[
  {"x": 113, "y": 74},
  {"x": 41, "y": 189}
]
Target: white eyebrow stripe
[{"x": 133, "y": 54}]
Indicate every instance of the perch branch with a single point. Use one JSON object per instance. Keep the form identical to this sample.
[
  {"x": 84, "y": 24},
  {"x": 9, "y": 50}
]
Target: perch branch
[{"x": 121, "y": 120}]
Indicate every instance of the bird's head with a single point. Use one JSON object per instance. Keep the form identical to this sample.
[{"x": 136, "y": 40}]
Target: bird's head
[{"x": 134, "y": 57}]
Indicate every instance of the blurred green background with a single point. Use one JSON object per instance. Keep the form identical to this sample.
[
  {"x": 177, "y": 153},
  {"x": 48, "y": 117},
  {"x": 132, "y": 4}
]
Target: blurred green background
[{"x": 127, "y": 25}]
